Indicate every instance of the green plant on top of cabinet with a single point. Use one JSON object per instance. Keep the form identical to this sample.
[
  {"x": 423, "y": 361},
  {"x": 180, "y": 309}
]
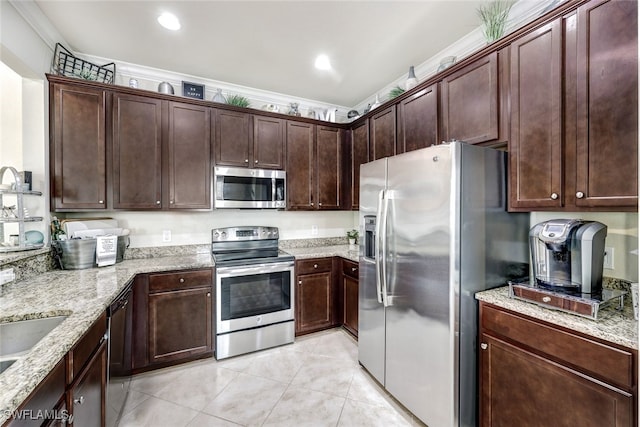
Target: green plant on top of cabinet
[
  {"x": 248, "y": 140},
  {"x": 78, "y": 168},
  {"x": 141, "y": 128}
]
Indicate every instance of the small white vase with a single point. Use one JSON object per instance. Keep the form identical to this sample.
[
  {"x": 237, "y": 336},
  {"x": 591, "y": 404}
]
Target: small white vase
[
  {"x": 219, "y": 97},
  {"x": 376, "y": 103},
  {"x": 412, "y": 81}
]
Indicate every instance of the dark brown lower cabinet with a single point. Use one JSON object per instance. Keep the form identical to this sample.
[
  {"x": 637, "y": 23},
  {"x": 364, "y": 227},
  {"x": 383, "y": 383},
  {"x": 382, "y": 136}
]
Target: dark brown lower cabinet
[
  {"x": 534, "y": 374},
  {"x": 350, "y": 296},
  {"x": 172, "y": 318},
  {"x": 315, "y": 295},
  {"x": 87, "y": 395}
]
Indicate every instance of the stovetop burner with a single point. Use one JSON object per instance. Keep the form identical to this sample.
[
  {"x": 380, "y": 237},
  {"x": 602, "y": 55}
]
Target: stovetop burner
[{"x": 247, "y": 245}]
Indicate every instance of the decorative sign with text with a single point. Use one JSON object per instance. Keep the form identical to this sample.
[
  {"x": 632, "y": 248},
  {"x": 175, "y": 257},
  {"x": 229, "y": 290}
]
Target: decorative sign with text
[{"x": 192, "y": 90}]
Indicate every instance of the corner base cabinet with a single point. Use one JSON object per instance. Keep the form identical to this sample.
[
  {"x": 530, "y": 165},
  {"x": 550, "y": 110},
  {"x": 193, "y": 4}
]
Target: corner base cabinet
[
  {"x": 316, "y": 295},
  {"x": 536, "y": 374}
]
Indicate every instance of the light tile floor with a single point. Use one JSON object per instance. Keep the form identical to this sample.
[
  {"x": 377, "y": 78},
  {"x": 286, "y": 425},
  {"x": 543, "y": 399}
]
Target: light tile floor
[{"x": 316, "y": 381}]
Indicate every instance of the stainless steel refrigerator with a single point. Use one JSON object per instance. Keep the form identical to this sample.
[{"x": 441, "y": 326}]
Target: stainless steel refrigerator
[{"x": 435, "y": 231}]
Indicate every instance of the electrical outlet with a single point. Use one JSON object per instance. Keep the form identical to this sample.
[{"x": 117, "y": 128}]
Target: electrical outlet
[
  {"x": 314, "y": 230},
  {"x": 166, "y": 235},
  {"x": 608, "y": 258},
  {"x": 7, "y": 276}
]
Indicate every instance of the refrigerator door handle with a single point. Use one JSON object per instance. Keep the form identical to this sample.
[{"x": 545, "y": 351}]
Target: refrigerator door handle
[
  {"x": 379, "y": 247},
  {"x": 383, "y": 249}
]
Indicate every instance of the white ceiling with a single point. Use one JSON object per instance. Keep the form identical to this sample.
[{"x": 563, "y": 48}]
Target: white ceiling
[{"x": 270, "y": 45}]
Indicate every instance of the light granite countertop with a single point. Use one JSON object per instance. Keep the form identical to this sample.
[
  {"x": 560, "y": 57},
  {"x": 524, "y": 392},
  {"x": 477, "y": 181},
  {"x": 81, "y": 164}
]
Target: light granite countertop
[
  {"x": 615, "y": 326},
  {"x": 83, "y": 295},
  {"x": 343, "y": 251}
]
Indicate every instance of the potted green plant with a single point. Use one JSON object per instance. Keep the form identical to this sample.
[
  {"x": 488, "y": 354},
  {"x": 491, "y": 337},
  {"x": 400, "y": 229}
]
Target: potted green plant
[
  {"x": 494, "y": 16},
  {"x": 352, "y": 235}
]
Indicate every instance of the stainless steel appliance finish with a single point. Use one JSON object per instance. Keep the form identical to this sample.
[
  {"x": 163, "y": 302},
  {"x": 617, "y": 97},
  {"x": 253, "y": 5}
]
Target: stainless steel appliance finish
[
  {"x": 254, "y": 290},
  {"x": 436, "y": 231},
  {"x": 120, "y": 317},
  {"x": 568, "y": 255},
  {"x": 249, "y": 188}
]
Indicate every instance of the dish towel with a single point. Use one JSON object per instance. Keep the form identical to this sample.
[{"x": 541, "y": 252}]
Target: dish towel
[{"x": 106, "y": 250}]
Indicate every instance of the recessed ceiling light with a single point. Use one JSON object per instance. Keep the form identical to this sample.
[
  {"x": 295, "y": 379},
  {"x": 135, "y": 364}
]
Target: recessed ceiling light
[
  {"x": 322, "y": 62},
  {"x": 169, "y": 21}
]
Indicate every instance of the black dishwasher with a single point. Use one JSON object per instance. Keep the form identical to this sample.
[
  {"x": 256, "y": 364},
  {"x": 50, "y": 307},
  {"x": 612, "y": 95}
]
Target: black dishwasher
[{"x": 120, "y": 314}]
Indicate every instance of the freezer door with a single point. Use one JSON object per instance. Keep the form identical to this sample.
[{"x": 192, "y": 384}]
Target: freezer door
[
  {"x": 371, "y": 323},
  {"x": 419, "y": 319}
]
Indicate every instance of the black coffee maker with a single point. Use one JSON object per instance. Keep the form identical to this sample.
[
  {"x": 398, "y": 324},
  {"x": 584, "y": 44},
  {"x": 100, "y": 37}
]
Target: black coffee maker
[{"x": 567, "y": 255}]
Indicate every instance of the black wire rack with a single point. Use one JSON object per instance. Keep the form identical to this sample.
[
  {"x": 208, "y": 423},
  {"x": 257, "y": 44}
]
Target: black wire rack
[{"x": 67, "y": 64}]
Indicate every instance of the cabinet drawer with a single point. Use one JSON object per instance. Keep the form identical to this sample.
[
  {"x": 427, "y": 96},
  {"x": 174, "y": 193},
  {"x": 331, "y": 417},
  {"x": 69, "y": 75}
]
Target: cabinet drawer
[
  {"x": 350, "y": 268},
  {"x": 315, "y": 265},
  {"x": 180, "y": 280},
  {"x": 613, "y": 365},
  {"x": 81, "y": 353}
]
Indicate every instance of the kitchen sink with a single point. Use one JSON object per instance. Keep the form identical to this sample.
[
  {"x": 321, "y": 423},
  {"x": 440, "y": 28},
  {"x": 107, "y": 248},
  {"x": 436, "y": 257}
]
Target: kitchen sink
[{"x": 17, "y": 338}]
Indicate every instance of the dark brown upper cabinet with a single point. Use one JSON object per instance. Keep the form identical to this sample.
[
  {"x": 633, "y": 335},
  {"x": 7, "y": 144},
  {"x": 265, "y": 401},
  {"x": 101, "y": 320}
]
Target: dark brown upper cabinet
[
  {"x": 329, "y": 168},
  {"x": 359, "y": 155},
  {"x": 606, "y": 148},
  {"x": 418, "y": 120},
  {"x": 137, "y": 152},
  {"x": 470, "y": 110},
  {"x": 247, "y": 140},
  {"x": 142, "y": 128},
  {"x": 383, "y": 133},
  {"x": 535, "y": 146},
  {"x": 77, "y": 147},
  {"x": 300, "y": 165},
  {"x": 574, "y": 148}
]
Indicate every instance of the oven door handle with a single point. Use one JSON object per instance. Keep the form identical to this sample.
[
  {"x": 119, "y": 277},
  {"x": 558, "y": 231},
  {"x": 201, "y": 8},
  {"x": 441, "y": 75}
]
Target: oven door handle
[{"x": 253, "y": 269}]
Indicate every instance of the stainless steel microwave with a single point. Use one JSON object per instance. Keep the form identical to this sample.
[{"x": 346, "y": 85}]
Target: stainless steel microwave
[{"x": 241, "y": 188}]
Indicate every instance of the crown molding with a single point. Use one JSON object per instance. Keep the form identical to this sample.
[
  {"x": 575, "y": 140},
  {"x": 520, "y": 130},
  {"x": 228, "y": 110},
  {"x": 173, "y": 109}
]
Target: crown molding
[{"x": 31, "y": 13}]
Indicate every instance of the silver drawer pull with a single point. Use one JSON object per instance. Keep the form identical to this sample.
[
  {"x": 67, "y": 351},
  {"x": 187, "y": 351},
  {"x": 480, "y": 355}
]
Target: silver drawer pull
[
  {"x": 484, "y": 346},
  {"x": 354, "y": 268},
  {"x": 181, "y": 280},
  {"x": 79, "y": 400},
  {"x": 554, "y": 196},
  {"x": 315, "y": 265},
  {"x": 579, "y": 194},
  {"x": 546, "y": 299}
]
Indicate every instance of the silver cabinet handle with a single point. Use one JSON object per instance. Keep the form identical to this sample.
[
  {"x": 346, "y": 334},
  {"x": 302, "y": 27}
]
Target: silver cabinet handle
[
  {"x": 354, "y": 268},
  {"x": 181, "y": 280},
  {"x": 100, "y": 201},
  {"x": 170, "y": 202},
  {"x": 312, "y": 204},
  {"x": 484, "y": 346},
  {"x": 208, "y": 294},
  {"x": 579, "y": 194},
  {"x": 256, "y": 162},
  {"x": 246, "y": 160},
  {"x": 554, "y": 196},
  {"x": 79, "y": 400},
  {"x": 546, "y": 299},
  {"x": 320, "y": 204},
  {"x": 157, "y": 202},
  {"x": 299, "y": 282},
  {"x": 315, "y": 265}
]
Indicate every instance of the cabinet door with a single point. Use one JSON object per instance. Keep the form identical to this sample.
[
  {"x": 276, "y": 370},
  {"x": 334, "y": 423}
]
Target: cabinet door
[
  {"x": 418, "y": 120},
  {"x": 233, "y": 136},
  {"x": 470, "y": 102},
  {"x": 359, "y": 156},
  {"x": 383, "y": 133},
  {"x": 314, "y": 302},
  {"x": 78, "y": 148},
  {"x": 329, "y": 168},
  {"x": 350, "y": 304},
  {"x": 189, "y": 143},
  {"x": 87, "y": 396},
  {"x": 268, "y": 142},
  {"x": 607, "y": 104},
  {"x": 300, "y": 161},
  {"x": 535, "y": 147},
  {"x": 179, "y": 324},
  {"x": 137, "y": 152},
  {"x": 519, "y": 388}
]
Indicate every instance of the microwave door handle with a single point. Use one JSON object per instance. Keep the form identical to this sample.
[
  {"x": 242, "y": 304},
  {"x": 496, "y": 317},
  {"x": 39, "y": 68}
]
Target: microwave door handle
[{"x": 273, "y": 189}]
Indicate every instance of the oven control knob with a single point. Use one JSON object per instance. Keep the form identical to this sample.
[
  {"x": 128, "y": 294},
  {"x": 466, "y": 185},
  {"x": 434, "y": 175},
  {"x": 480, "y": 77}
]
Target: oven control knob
[
  {"x": 216, "y": 234},
  {"x": 259, "y": 319},
  {"x": 224, "y": 234}
]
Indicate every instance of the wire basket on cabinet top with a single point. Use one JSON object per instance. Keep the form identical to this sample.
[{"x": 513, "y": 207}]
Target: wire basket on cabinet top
[{"x": 67, "y": 64}]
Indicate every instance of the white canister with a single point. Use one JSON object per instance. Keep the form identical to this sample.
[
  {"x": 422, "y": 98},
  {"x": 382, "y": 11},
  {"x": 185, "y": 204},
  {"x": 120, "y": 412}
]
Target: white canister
[{"x": 133, "y": 83}]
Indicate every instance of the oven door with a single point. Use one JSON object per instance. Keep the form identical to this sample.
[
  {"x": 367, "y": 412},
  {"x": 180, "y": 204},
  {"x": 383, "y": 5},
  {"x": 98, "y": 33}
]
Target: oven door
[{"x": 254, "y": 295}]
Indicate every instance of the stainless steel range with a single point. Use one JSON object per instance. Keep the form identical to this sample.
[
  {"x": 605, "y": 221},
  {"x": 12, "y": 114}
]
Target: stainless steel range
[{"x": 254, "y": 290}]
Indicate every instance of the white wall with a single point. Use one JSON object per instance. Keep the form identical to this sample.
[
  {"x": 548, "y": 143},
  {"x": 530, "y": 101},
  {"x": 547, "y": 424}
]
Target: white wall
[
  {"x": 189, "y": 228},
  {"x": 622, "y": 236}
]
